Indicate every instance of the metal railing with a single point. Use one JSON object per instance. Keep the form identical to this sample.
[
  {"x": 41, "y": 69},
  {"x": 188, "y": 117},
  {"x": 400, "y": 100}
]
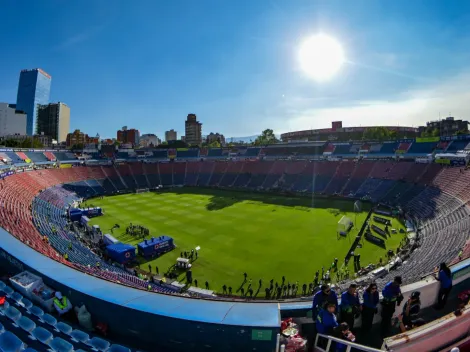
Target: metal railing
[{"x": 349, "y": 344}]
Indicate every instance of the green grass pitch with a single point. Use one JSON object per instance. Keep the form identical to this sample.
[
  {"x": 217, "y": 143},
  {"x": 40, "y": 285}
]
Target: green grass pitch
[{"x": 266, "y": 236}]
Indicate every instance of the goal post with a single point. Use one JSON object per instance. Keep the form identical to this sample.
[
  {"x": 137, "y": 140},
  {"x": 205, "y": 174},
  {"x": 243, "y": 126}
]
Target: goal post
[{"x": 344, "y": 224}]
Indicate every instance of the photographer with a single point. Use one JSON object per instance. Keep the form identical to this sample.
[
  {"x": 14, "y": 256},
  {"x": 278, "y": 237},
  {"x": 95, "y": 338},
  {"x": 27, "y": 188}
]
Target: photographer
[
  {"x": 392, "y": 297},
  {"x": 350, "y": 305}
]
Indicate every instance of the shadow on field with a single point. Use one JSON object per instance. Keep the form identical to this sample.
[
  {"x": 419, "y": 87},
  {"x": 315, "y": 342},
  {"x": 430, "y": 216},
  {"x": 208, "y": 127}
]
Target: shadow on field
[{"x": 221, "y": 199}]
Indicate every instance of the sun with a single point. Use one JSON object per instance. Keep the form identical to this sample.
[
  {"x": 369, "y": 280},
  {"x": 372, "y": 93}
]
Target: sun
[{"x": 321, "y": 57}]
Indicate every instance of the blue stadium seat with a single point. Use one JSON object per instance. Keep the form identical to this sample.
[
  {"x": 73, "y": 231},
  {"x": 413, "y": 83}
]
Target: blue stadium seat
[
  {"x": 4, "y": 307},
  {"x": 80, "y": 336},
  {"x": 2, "y": 285},
  {"x": 2, "y": 329},
  {"x": 49, "y": 320},
  {"x": 36, "y": 311},
  {"x": 26, "y": 324},
  {"x": 64, "y": 328},
  {"x": 9, "y": 342},
  {"x": 60, "y": 345},
  {"x": 42, "y": 335},
  {"x": 26, "y": 303},
  {"x": 8, "y": 290},
  {"x": 118, "y": 348},
  {"x": 17, "y": 297},
  {"x": 98, "y": 344},
  {"x": 29, "y": 349},
  {"x": 13, "y": 314}
]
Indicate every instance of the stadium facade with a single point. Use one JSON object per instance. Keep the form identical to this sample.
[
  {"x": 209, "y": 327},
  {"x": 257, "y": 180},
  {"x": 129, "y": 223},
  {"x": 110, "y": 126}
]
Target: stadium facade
[{"x": 339, "y": 133}]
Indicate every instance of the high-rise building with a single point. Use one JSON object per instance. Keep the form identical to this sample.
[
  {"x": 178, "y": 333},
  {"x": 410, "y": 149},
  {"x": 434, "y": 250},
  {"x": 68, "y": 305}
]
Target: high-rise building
[
  {"x": 125, "y": 135},
  {"x": 53, "y": 120},
  {"x": 171, "y": 135},
  {"x": 193, "y": 130},
  {"x": 34, "y": 88},
  {"x": 12, "y": 121}
]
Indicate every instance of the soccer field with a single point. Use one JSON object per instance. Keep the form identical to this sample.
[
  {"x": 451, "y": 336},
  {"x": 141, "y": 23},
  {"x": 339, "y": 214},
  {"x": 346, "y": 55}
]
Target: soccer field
[{"x": 266, "y": 236}]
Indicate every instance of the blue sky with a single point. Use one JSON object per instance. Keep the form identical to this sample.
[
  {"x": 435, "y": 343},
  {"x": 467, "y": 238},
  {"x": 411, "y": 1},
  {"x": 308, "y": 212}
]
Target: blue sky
[{"x": 147, "y": 64}]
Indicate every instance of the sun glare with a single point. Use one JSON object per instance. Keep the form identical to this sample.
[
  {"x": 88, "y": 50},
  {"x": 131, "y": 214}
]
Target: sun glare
[{"x": 321, "y": 57}]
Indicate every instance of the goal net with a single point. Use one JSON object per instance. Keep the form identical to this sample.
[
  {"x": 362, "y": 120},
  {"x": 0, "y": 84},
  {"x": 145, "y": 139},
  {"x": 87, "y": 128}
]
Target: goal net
[
  {"x": 141, "y": 190},
  {"x": 344, "y": 224}
]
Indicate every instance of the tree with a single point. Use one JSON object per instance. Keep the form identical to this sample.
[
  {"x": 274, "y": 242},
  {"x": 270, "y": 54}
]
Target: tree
[
  {"x": 379, "y": 134},
  {"x": 11, "y": 143},
  {"x": 430, "y": 132},
  {"x": 214, "y": 144},
  {"x": 77, "y": 146},
  {"x": 266, "y": 137}
]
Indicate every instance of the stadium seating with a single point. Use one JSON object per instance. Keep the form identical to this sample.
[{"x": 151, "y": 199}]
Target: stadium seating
[
  {"x": 50, "y": 156},
  {"x": 36, "y": 157},
  {"x": 361, "y": 172},
  {"x": 388, "y": 148},
  {"x": 64, "y": 156},
  {"x": 166, "y": 173},
  {"x": 187, "y": 153},
  {"x": 423, "y": 148},
  {"x": 252, "y": 152},
  {"x": 15, "y": 159},
  {"x": 329, "y": 149},
  {"x": 179, "y": 173},
  {"x": 433, "y": 195},
  {"x": 375, "y": 148},
  {"x": 160, "y": 154},
  {"x": 26, "y": 327},
  {"x": 5, "y": 158},
  {"x": 340, "y": 178},
  {"x": 214, "y": 152},
  {"x": 403, "y": 147},
  {"x": 456, "y": 146}
]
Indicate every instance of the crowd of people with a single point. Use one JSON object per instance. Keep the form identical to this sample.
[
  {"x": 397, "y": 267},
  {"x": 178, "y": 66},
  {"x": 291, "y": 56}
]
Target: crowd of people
[
  {"x": 137, "y": 230},
  {"x": 338, "y": 319}
]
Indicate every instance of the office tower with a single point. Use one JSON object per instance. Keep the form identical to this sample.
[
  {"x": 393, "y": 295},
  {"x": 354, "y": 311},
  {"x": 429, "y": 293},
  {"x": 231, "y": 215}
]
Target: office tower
[
  {"x": 193, "y": 130},
  {"x": 12, "y": 121},
  {"x": 33, "y": 89},
  {"x": 53, "y": 120}
]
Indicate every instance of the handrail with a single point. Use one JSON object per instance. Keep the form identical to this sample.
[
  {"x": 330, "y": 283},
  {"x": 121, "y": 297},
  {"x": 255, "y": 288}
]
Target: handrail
[{"x": 344, "y": 342}]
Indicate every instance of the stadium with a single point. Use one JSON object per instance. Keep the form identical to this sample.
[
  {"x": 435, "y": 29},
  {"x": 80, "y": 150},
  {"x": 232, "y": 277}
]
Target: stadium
[{"x": 241, "y": 218}]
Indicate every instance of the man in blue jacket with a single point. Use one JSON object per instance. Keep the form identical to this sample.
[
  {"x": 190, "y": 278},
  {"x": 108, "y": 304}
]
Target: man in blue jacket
[
  {"x": 322, "y": 298},
  {"x": 350, "y": 305},
  {"x": 391, "y": 298}
]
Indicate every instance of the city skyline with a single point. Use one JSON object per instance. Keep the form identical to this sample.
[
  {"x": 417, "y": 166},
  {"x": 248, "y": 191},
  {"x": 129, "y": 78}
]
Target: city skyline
[{"x": 236, "y": 66}]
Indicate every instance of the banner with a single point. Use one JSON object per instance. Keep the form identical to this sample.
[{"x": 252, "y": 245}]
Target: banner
[
  {"x": 458, "y": 162},
  {"x": 5, "y": 174},
  {"x": 443, "y": 161},
  {"x": 427, "y": 139}
]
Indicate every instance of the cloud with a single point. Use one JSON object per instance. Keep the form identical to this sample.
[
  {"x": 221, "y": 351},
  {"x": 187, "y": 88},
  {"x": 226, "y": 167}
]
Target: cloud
[
  {"x": 409, "y": 108},
  {"x": 80, "y": 37}
]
